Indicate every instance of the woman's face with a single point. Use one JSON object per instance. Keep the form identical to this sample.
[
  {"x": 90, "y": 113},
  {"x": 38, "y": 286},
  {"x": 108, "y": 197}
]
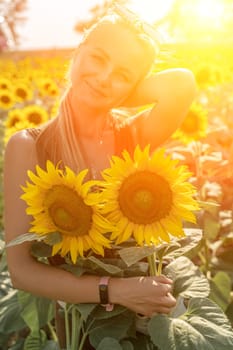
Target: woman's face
[{"x": 107, "y": 67}]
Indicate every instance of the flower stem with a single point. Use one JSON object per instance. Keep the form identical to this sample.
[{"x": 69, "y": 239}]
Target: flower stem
[
  {"x": 53, "y": 333},
  {"x": 83, "y": 341},
  {"x": 75, "y": 334},
  {"x": 160, "y": 266},
  {"x": 66, "y": 314},
  {"x": 152, "y": 264}
]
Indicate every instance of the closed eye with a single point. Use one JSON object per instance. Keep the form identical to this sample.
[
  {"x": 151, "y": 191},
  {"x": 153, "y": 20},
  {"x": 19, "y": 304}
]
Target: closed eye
[
  {"x": 98, "y": 58},
  {"x": 123, "y": 76}
]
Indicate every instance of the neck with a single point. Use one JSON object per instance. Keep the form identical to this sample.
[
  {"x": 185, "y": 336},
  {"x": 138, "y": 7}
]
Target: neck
[{"x": 89, "y": 122}]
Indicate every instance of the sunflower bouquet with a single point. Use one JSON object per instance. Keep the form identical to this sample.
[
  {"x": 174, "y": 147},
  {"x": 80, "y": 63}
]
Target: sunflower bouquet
[{"x": 130, "y": 223}]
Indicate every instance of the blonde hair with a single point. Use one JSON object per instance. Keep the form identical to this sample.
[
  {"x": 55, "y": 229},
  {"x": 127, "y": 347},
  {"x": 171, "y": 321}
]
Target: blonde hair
[
  {"x": 57, "y": 140},
  {"x": 144, "y": 33}
]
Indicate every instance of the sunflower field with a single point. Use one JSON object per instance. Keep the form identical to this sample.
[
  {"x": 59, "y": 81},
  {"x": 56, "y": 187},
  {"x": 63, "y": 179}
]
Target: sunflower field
[{"x": 31, "y": 85}]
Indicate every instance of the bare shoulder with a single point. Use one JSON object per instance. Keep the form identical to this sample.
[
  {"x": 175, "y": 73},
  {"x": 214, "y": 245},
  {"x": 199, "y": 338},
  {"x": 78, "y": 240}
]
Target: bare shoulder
[
  {"x": 22, "y": 139},
  {"x": 20, "y": 152},
  {"x": 21, "y": 143}
]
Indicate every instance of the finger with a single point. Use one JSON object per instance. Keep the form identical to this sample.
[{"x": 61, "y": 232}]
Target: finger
[
  {"x": 169, "y": 300},
  {"x": 164, "y": 279},
  {"x": 167, "y": 288},
  {"x": 160, "y": 310}
]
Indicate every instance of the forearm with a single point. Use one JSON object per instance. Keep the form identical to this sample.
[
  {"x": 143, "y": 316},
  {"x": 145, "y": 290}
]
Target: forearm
[
  {"x": 144, "y": 295},
  {"x": 166, "y": 85},
  {"x": 52, "y": 282},
  {"x": 172, "y": 92}
]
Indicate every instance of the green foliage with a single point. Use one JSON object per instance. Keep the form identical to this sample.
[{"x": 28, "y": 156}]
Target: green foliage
[{"x": 203, "y": 326}]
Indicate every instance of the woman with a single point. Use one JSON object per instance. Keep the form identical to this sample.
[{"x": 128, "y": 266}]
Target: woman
[{"x": 110, "y": 69}]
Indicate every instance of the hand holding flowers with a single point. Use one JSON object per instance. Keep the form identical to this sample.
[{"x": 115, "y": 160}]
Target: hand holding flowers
[{"x": 123, "y": 226}]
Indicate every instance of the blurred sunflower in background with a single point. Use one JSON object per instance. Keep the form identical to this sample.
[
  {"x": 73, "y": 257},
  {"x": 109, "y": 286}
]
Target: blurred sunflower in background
[
  {"x": 5, "y": 83},
  {"x": 13, "y": 117},
  {"x": 60, "y": 202},
  {"x": 194, "y": 126},
  {"x": 147, "y": 197},
  {"x": 35, "y": 114},
  {"x": 7, "y": 99},
  {"x": 22, "y": 91}
]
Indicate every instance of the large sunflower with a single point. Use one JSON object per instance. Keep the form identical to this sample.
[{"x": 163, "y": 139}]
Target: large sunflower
[
  {"x": 147, "y": 197},
  {"x": 60, "y": 202}
]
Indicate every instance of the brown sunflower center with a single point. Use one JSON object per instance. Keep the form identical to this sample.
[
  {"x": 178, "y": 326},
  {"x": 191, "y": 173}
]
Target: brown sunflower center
[
  {"x": 5, "y": 99},
  {"x": 21, "y": 93},
  {"x": 14, "y": 121},
  {"x": 145, "y": 197},
  {"x": 68, "y": 211},
  {"x": 34, "y": 118}
]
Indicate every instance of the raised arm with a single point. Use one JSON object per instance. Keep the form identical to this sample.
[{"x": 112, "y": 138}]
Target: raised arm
[{"x": 172, "y": 92}]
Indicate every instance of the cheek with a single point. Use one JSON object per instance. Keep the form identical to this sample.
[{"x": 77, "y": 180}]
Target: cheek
[
  {"x": 122, "y": 88},
  {"x": 121, "y": 92}
]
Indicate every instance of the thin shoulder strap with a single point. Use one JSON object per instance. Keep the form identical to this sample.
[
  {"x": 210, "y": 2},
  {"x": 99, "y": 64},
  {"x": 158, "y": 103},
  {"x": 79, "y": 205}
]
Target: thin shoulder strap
[{"x": 34, "y": 132}]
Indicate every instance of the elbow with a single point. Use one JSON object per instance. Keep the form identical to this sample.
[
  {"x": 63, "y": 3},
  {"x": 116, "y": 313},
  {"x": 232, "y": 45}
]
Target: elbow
[
  {"x": 19, "y": 270},
  {"x": 187, "y": 86},
  {"x": 16, "y": 280}
]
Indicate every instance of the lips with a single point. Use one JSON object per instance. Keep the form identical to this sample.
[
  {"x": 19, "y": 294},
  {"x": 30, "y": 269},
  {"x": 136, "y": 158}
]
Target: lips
[{"x": 96, "y": 91}]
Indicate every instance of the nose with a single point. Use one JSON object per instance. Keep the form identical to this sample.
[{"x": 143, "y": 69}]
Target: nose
[{"x": 104, "y": 76}]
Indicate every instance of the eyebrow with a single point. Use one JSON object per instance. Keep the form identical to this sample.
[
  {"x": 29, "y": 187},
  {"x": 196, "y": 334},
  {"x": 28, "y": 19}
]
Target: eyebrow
[{"x": 101, "y": 51}]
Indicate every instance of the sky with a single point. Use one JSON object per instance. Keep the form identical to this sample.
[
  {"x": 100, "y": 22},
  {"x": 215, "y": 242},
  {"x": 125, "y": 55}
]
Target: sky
[{"x": 50, "y": 23}]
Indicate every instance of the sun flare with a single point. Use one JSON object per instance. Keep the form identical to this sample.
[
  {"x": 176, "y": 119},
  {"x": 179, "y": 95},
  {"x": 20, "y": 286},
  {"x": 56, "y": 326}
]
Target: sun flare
[{"x": 147, "y": 11}]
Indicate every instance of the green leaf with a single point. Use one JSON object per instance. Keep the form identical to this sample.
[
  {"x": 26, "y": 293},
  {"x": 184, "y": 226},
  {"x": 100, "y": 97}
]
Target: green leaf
[
  {"x": 111, "y": 269},
  {"x": 189, "y": 281},
  {"x": 188, "y": 245},
  {"x": 176, "y": 334},
  {"x": 208, "y": 205},
  {"x": 50, "y": 238},
  {"x": 211, "y": 227},
  {"x": 10, "y": 319},
  {"x": 142, "y": 341},
  {"x": 18, "y": 345},
  {"x": 99, "y": 313},
  {"x": 127, "y": 345},
  {"x": 51, "y": 345},
  {"x": 167, "y": 248},
  {"x": 203, "y": 327},
  {"x": 35, "y": 340},
  {"x": 109, "y": 343},
  {"x": 118, "y": 327},
  {"x": 229, "y": 312},
  {"x": 26, "y": 237},
  {"x": 53, "y": 238},
  {"x": 220, "y": 289},
  {"x": 132, "y": 255},
  {"x": 35, "y": 311},
  {"x": 41, "y": 249},
  {"x": 85, "y": 309}
]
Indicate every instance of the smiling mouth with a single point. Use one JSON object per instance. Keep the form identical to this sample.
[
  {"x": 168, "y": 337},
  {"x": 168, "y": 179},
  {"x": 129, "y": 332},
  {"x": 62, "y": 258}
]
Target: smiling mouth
[{"x": 97, "y": 92}]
